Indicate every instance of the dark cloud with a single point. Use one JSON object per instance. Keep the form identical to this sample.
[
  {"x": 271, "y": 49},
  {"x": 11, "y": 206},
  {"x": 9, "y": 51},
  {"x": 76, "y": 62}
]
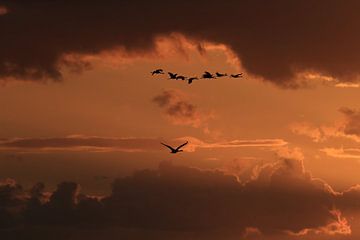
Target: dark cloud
[
  {"x": 12, "y": 203},
  {"x": 273, "y": 39},
  {"x": 280, "y": 198},
  {"x": 352, "y": 121},
  {"x": 180, "y": 110}
]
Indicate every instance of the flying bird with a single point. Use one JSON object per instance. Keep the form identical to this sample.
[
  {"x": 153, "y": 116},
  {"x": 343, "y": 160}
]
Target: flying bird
[
  {"x": 190, "y": 80},
  {"x": 172, "y": 75},
  {"x": 157, "y": 71},
  {"x": 236, "y": 75},
  {"x": 208, "y": 75},
  {"x": 175, "y": 150},
  {"x": 180, "y": 78},
  {"x": 220, "y": 74}
]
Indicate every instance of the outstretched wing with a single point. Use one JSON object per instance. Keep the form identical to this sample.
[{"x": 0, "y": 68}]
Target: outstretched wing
[
  {"x": 172, "y": 149},
  {"x": 207, "y": 73},
  {"x": 172, "y": 75},
  {"x": 182, "y": 145}
]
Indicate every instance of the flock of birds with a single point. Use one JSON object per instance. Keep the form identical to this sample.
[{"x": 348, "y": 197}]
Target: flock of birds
[{"x": 205, "y": 75}]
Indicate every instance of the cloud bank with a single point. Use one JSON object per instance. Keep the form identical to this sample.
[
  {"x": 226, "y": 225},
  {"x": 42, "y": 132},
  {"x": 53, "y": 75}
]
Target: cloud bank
[
  {"x": 274, "y": 40},
  {"x": 280, "y": 198}
]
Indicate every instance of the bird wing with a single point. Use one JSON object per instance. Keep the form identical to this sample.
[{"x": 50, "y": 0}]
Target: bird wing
[
  {"x": 171, "y": 148},
  {"x": 172, "y": 74},
  {"x": 182, "y": 145},
  {"x": 207, "y": 73}
]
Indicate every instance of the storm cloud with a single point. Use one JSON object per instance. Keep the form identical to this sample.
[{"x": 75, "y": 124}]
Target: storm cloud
[{"x": 274, "y": 40}]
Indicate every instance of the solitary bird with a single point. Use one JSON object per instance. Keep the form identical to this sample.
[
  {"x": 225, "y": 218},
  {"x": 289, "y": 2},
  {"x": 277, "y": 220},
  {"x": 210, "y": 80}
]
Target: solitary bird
[
  {"x": 175, "y": 150},
  {"x": 220, "y": 74},
  {"x": 180, "y": 78},
  {"x": 236, "y": 75},
  {"x": 207, "y": 75},
  {"x": 190, "y": 80},
  {"x": 157, "y": 71},
  {"x": 172, "y": 75}
]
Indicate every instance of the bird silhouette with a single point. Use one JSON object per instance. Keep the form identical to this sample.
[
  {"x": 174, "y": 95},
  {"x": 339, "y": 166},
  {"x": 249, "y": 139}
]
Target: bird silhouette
[
  {"x": 180, "y": 77},
  {"x": 207, "y": 75},
  {"x": 190, "y": 80},
  {"x": 175, "y": 150},
  {"x": 236, "y": 75},
  {"x": 157, "y": 71},
  {"x": 172, "y": 75},
  {"x": 220, "y": 74}
]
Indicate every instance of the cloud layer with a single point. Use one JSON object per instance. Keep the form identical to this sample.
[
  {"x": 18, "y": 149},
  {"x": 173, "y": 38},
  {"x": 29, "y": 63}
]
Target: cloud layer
[
  {"x": 280, "y": 198},
  {"x": 114, "y": 144},
  {"x": 274, "y": 40}
]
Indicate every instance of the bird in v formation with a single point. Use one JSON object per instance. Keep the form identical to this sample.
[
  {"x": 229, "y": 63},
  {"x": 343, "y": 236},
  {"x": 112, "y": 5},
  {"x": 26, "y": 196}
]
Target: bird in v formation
[{"x": 205, "y": 75}]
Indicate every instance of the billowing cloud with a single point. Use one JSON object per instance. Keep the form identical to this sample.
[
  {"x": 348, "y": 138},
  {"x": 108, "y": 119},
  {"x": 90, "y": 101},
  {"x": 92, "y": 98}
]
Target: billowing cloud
[
  {"x": 179, "y": 110},
  {"x": 348, "y": 127},
  {"x": 307, "y": 129},
  {"x": 274, "y": 40},
  {"x": 280, "y": 198}
]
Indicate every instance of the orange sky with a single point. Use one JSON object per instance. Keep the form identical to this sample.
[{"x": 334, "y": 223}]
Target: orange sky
[
  {"x": 114, "y": 99},
  {"x": 274, "y": 154}
]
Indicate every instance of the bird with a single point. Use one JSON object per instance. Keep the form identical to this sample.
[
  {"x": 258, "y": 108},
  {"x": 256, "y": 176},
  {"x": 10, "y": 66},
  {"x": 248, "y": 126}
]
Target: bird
[
  {"x": 220, "y": 74},
  {"x": 190, "y": 80},
  {"x": 236, "y": 75},
  {"x": 157, "y": 71},
  {"x": 175, "y": 150},
  {"x": 180, "y": 78},
  {"x": 172, "y": 75},
  {"x": 207, "y": 75}
]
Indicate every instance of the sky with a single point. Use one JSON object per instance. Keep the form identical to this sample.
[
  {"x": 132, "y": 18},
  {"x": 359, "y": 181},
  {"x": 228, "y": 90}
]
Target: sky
[{"x": 273, "y": 154}]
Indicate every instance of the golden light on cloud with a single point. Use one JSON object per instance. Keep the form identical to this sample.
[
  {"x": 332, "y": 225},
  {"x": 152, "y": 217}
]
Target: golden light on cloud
[
  {"x": 350, "y": 153},
  {"x": 195, "y": 143}
]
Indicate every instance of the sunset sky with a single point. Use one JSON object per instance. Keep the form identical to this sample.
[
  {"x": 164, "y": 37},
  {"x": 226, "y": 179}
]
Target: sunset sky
[{"x": 274, "y": 154}]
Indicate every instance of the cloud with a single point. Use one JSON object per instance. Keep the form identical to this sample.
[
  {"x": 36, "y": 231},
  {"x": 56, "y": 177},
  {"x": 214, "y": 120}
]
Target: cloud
[
  {"x": 273, "y": 40},
  {"x": 348, "y": 127},
  {"x": 179, "y": 110},
  {"x": 351, "y": 153},
  {"x": 281, "y": 198},
  {"x": 195, "y": 143},
  {"x": 80, "y": 143},
  {"x": 309, "y": 130},
  {"x": 347, "y": 85},
  {"x": 12, "y": 202},
  {"x": 352, "y": 122}
]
